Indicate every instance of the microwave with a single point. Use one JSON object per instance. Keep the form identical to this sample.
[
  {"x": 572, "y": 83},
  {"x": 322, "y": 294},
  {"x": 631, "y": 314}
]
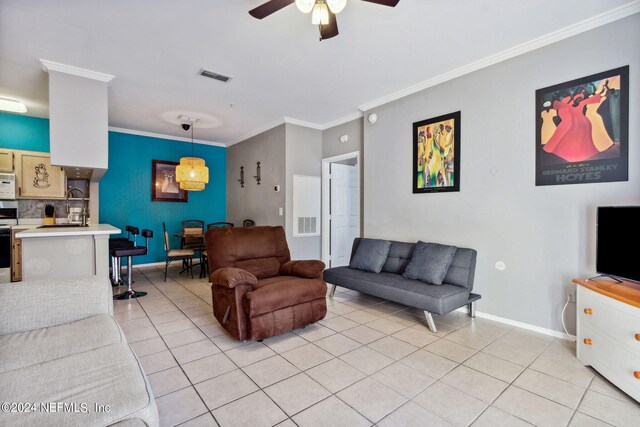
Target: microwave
[{"x": 7, "y": 186}]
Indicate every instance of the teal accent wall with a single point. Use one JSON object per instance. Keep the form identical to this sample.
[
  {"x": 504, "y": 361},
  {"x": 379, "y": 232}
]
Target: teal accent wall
[
  {"x": 18, "y": 132},
  {"x": 125, "y": 190}
]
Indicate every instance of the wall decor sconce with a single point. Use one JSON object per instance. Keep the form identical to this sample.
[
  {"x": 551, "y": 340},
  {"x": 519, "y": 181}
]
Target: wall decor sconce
[
  {"x": 257, "y": 176},
  {"x": 241, "y": 177}
]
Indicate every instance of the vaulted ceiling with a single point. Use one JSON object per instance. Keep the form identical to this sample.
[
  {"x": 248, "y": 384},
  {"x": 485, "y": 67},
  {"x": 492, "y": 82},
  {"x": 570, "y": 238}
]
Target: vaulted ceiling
[{"x": 279, "y": 67}]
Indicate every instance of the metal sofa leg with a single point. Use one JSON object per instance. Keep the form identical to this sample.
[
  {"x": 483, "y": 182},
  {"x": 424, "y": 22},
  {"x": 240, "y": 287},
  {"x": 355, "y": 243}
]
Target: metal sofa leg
[
  {"x": 430, "y": 322},
  {"x": 333, "y": 291},
  {"x": 471, "y": 309}
]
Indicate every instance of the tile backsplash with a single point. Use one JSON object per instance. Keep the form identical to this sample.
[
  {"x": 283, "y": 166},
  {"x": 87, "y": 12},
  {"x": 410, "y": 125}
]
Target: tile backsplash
[{"x": 35, "y": 208}]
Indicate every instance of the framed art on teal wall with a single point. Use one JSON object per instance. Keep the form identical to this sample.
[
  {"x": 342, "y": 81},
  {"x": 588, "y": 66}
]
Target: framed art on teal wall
[{"x": 164, "y": 187}]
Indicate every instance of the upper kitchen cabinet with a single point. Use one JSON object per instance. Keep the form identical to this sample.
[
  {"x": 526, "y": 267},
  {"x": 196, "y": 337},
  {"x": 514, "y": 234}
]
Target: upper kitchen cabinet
[
  {"x": 6, "y": 160},
  {"x": 36, "y": 178}
]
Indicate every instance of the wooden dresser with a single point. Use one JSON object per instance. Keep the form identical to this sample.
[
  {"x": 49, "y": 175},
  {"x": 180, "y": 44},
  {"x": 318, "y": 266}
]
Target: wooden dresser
[{"x": 608, "y": 330}]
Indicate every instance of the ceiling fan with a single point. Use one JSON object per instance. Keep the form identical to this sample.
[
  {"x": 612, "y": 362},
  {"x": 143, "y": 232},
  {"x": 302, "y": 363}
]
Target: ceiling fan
[{"x": 323, "y": 12}]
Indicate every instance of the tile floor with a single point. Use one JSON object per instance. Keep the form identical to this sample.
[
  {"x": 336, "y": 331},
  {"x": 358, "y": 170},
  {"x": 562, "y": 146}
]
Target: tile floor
[{"x": 369, "y": 362}]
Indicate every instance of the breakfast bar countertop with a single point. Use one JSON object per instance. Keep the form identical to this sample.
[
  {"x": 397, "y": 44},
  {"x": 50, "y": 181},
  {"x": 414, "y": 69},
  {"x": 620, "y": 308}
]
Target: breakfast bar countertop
[{"x": 64, "y": 231}]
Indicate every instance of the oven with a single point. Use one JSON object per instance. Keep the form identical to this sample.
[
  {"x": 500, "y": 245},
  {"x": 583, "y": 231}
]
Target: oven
[{"x": 8, "y": 218}]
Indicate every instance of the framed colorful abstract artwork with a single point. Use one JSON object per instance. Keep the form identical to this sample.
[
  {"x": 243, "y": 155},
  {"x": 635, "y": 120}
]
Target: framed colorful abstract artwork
[
  {"x": 436, "y": 154},
  {"x": 164, "y": 187},
  {"x": 582, "y": 130}
]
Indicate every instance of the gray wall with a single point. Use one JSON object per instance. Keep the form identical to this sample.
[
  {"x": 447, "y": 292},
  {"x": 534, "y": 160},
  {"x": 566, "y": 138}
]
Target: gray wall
[
  {"x": 544, "y": 235},
  {"x": 257, "y": 202},
  {"x": 331, "y": 146},
  {"x": 304, "y": 157}
]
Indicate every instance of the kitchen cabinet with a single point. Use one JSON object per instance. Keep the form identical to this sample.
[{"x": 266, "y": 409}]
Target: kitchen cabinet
[
  {"x": 36, "y": 178},
  {"x": 16, "y": 255},
  {"x": 6, "y": 160}
]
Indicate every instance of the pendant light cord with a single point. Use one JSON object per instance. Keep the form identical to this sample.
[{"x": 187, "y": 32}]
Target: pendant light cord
[{"x": 191, "y": 139}]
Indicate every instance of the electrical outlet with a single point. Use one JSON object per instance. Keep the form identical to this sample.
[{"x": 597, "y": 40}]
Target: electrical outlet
[{"x": 570, "y": 292}]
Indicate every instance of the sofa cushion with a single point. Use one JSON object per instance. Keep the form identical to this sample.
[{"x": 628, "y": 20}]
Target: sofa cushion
[
  {"x": 399, "y": 257},
  {"x": 285, "y": 292},
  {"x": 430, "y": 262},
  {"x": 109, "y": 375},
  {"x": 23, "y": 349},
  {"x": 370, "y": 255},
  {"x": 394, "y": 287}
]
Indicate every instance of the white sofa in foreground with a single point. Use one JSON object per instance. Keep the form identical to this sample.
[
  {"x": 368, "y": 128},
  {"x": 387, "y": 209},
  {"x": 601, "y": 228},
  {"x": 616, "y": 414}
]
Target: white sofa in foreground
[{"x": 64, "y": 361}]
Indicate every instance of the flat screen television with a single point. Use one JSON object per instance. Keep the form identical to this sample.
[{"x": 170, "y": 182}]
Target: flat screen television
[{"x": 618, "y": 239}]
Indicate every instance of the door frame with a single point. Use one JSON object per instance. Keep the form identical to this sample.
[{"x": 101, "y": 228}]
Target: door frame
[{"x": 326, "y": 195}]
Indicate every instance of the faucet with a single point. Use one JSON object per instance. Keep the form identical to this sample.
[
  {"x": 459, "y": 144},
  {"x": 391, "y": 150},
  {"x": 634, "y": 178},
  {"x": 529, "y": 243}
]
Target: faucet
[{"x": 83, "y": 215}]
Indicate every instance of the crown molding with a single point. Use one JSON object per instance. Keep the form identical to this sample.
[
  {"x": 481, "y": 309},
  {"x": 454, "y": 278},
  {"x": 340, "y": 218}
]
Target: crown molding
[
  {"x": 297, "y": 122},
  {"x": 162, "y": 136},
  {"x": 550, "y": 38},
  {"x": 75, "y": 71},
  {"x": 258, "y": 131},
  {"x": 343, "y": 120}
]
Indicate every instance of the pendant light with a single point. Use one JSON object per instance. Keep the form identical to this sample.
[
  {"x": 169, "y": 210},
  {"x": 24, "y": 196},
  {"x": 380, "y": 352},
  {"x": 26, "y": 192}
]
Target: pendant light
[{"x": 191, "y": 173}]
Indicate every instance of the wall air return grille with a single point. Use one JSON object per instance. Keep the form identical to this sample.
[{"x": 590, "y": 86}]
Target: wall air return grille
[{"x": 215, "y": 76}]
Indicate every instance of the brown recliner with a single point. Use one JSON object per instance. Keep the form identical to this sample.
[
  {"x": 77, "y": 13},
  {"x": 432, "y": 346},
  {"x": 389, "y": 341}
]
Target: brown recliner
[{"x": 257, "y": 291}]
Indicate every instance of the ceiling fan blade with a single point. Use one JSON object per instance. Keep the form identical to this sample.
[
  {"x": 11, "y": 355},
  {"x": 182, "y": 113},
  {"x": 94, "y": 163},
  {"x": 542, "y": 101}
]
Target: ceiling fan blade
[
  {"x": 269, "y": 7},
  {"x": 390, "y": 3},
  {"x": 331, "y": 29}
]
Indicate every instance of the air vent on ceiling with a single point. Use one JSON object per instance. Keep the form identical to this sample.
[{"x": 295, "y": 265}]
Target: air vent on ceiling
[{"x": 215, "y": 76}]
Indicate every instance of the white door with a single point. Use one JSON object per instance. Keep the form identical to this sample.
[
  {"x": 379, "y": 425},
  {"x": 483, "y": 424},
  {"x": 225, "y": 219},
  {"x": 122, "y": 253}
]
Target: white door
[{"x": 344, "y": 206}]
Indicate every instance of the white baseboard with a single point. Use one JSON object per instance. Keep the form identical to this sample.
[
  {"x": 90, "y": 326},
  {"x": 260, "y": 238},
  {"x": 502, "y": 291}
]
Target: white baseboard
[{"x": 539, "y": 329}]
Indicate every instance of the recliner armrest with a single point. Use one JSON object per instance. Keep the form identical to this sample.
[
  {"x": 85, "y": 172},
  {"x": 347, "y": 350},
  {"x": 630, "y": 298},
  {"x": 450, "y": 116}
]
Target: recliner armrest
[
  {"x": 308, "y": 269},
  {"x": 232, "y": 277}
]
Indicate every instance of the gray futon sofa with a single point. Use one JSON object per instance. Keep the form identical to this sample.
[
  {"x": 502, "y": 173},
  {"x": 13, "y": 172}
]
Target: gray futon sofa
[
  {"x": 64, "y": 361},
  {"x": 455, "y": 291}
]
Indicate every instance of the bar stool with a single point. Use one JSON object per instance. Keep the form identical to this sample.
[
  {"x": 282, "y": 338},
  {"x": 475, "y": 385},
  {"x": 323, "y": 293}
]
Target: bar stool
[
  {"x": 129, "y": 253},
  {"x": 118, "y": 243}
]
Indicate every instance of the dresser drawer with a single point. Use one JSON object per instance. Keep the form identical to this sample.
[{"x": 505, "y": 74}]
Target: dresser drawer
[
  {"x": 614, "y": 319},
  {"x": 615, "y": 362}
]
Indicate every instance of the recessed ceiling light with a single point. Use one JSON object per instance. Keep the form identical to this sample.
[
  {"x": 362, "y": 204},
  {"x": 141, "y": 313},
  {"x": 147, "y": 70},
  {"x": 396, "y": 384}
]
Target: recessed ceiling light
[{"x": 12, "y": 105}]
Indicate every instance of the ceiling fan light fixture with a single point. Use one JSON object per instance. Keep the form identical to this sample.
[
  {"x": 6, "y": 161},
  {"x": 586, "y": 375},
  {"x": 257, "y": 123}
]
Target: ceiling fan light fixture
[
  {"x": 320, "y": 14},
  {"x": 336, "y": 6},
  {"x": 305, "y": 6}
]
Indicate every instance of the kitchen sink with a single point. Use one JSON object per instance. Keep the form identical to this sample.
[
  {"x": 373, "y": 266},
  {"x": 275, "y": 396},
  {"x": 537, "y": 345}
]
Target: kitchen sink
[{"x": 62, "y": 225}]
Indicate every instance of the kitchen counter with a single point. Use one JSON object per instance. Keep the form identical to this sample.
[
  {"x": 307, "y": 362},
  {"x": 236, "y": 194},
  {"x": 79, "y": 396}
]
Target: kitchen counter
[
  {"x": 68, "y": 231},
  {"x": 65, "y": 251}
]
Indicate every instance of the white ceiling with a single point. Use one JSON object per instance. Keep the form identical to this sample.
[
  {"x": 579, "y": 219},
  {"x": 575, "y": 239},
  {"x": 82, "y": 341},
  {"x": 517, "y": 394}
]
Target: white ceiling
[{"x": 155, "y": 48}]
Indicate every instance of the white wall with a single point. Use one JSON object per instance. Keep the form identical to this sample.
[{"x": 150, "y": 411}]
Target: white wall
[
  {"x": 544, "y": 235},
  {"x": 304, "y": 157}
]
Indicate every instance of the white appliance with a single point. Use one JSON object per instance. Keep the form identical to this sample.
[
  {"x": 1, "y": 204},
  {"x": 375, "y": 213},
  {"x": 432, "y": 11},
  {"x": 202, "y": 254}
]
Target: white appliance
[{"x": 7, "y": 186}]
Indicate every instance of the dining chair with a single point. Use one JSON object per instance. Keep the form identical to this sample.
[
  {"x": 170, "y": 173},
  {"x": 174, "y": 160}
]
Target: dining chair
[
  {"x": 193, "y": 232},
  {"x": 185, "y": 255},
  {"x": 205, "y": 259},
  {"x": 219, "y": 225}
]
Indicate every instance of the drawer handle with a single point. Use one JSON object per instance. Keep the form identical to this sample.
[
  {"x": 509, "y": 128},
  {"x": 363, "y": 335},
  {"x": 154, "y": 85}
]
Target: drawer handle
[
  {"x": 637, "y": 375},
  {"x": 588, "y": 341},
  {"x": 637, "y": 337},
  {"x": 588, "y": 311}
]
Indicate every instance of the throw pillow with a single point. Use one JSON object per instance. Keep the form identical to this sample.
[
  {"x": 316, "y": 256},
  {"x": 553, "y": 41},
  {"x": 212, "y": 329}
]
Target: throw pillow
[
  {"x": 430, "y": 262},
  {"x": 370, "y": 255}
]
